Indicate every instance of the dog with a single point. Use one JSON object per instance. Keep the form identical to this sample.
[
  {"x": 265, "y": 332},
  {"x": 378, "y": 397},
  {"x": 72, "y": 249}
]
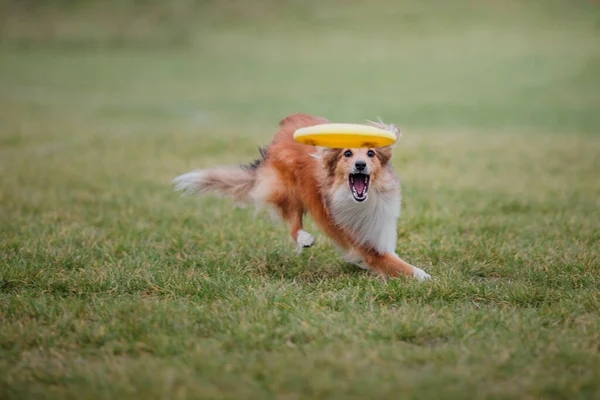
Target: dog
[{"x": 353, "y": 195}]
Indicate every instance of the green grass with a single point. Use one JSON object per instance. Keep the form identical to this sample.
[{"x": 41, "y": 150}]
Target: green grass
[{"x": 113, "y": 286}]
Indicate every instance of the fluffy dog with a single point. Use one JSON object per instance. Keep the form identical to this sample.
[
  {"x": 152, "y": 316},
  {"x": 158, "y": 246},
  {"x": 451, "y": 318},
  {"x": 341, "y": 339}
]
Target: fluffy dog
[{"x": 352, "y": 194}]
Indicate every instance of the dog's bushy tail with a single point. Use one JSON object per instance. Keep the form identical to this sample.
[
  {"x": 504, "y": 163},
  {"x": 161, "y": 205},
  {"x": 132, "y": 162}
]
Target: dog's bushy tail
[{"x": 236, "y": 182}]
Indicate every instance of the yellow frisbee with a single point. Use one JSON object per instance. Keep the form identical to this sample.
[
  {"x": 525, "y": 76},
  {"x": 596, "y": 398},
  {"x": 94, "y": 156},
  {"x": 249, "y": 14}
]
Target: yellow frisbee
[{"x": 344, "y": 135}]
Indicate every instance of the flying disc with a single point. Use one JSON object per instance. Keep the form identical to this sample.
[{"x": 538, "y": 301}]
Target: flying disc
[{"x": 344, "y": 135}]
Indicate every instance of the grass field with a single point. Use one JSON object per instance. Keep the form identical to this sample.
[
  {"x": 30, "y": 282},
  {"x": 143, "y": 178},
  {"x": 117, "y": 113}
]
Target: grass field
[{"x": 112, "y": 286}]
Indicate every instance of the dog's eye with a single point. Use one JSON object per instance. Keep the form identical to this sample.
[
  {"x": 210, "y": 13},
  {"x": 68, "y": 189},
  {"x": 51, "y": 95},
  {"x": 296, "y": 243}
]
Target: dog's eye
[
  {"x": 347, "y": 153},
  {"x": 371, "y": 153}
]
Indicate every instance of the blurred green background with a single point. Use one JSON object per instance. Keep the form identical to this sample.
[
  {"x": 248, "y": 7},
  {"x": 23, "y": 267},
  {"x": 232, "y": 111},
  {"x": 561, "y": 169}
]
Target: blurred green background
[{"x": 493, "y": 65}]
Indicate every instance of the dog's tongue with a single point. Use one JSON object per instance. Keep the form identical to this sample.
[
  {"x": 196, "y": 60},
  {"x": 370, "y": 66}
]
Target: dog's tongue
[{"x": 359, "y": 183}]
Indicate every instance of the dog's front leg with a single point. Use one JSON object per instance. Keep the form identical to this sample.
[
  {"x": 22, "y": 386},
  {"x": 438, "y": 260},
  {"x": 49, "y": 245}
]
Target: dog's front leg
[
  {"x": 302, "y": 238},
  {"x": 390, "y": 264}
]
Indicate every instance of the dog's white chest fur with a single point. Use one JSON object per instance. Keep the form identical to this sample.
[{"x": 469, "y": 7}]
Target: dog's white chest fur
[{"x": 372, "y": 222}]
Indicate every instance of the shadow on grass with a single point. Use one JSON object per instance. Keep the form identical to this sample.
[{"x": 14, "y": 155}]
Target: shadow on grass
[{"x": 306, "y": 268}]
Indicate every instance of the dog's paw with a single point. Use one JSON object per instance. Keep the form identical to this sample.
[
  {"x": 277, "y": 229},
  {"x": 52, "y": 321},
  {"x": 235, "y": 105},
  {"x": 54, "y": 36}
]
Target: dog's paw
[
  {"x": 420, "y": 274},
  {"x": 304, "y": 240}
]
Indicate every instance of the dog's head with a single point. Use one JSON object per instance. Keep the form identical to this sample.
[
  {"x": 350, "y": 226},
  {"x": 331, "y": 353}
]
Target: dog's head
[{"x": 357, "y": 169}]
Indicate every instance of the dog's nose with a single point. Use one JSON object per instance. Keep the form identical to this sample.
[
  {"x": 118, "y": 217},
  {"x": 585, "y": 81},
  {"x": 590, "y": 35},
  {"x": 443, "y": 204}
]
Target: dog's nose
[{"x": 360, "y": 165}]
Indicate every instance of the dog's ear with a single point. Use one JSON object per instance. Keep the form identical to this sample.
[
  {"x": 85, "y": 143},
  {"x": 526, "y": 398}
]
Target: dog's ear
[
  {"x": 328, "y": 157},
  {"x": 320, "y": 152},
  {"x": 390, "y": 128},
  {"x": 385, "y": 153}
]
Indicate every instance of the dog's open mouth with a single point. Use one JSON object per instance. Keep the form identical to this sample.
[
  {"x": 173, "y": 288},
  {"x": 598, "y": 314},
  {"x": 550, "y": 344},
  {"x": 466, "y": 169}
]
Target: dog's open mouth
[{"x": 359, "y": 186}]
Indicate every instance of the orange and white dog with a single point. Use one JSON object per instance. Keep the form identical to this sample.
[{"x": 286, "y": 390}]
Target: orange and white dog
[{"x": 352, "y": 194}]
